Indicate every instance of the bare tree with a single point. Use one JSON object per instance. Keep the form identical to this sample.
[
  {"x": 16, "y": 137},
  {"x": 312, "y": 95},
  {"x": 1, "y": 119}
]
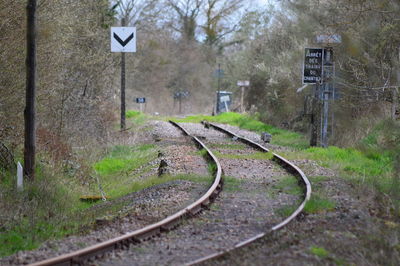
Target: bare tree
[
  {"x": 188, "y": 12},
  {"x": 134, "y": 11},
  {"x": 218, "y": 15},
  {"x": 30, "y": 134}
]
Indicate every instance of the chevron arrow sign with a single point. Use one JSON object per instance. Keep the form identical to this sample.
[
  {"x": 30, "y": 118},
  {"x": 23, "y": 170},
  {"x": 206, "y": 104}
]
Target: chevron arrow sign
[{"x": 123, "y": 39}]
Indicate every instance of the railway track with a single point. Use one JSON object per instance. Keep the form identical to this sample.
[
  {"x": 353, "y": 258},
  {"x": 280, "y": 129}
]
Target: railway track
[
  {"x": 81, "y": 256},
  {"x": 287, "y": 165}
]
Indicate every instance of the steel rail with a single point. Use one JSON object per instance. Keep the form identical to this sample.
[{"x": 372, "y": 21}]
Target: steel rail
[
  {"x": 79, "y": 256},
  {"x": 286, "y": 164}
]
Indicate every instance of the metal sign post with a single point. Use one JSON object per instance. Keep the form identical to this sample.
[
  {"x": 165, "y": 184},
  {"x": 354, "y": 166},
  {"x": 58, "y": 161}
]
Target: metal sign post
[
  {"x": 179, "y": 95},
  {"x": 319, "y": 69},
  {"x": 219, "y": 73},
  {"x": 123, "y": 40},
  {"x": 141, "y": 102},
  {"x": 328, "y": 88},
  {"x": 328, "y": 73},
  {"x": 219, "y": 84},
  {"x": 242, "y": 84},
  {"x": 312, "y": 74}
]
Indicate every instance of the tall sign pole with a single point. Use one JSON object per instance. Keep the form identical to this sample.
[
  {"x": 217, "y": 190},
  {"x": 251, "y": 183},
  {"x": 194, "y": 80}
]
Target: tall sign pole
[
  {"x": 123, "y": 86},
  {"x": 29, "y": 113},
  {"x": 123, "y": 40},
  {"x": 328, "y": 73},
  {"x": 242, "y": 84},
  {"x": 219, "y": 86},
  {"x": 312, "y": 74},
  {"x": 319, "y": 69}
]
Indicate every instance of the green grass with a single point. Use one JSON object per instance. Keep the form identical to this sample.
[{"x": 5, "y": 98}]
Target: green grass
[
  {"x": 289, "y": 185},
  {"x": 286, "y": 211},
  {"x": 124, "y": 159},
  {"x": 50, "y": 207},
  {"x": 279, "y": 136},
  {"x": 136, "y": 118},
  {"x": 202, "y": 152},
  {"x": 115, "y": 170},
  {"x": 212, "y": 168},
  {"x": 318, "y": 204},
  {"x": 319, "y": 252},
  {"x": 317, "y": 179},
  {"x": 373, "y": 169},
  {"x": 45, "y": 210},
  {"x": 322, "y": 253},
  {"x": 132, "y": 114},
  {"x": 352, "y": 160},
  {"x": 53, "y": 209},
  {"x": 231, "y": 184}
]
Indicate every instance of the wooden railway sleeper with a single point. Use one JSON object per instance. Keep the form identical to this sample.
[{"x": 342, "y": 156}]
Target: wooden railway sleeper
[{"x": 171, "y": 225}]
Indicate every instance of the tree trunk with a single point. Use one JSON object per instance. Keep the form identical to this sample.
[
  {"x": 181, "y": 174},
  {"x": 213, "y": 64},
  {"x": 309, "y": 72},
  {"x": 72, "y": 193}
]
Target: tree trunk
[{"x": 29, "y": 113}]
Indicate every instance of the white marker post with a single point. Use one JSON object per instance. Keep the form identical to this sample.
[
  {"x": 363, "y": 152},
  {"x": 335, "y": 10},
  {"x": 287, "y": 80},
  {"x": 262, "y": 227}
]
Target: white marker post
[{"x": 20, "y": 177}]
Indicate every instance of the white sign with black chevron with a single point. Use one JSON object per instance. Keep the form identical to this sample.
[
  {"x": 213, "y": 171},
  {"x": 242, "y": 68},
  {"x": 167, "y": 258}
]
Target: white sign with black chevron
[{"x": 123, "y": 39}]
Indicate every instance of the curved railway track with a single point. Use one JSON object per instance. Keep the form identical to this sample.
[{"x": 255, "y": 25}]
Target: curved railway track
[
  {"x": 288, "y": 166},
  {"x": 80, "y": 256}
]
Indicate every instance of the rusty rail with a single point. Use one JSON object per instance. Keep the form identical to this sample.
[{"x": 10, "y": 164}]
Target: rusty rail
[
  {"x": 79, "y": 256},
  {"x": 286, "y": 164}
]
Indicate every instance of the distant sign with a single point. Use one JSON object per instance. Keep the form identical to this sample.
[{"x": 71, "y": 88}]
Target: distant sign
[
  {"x": 329, "y": 38},
  {"x": 243, "y": 83},
  {"x": 225, "y": 98},
  {"x": 181, "y": 94},
  {"x": 140, "y": 100},
  {"x": 123, "y": 39},
  {"x": 312, "y": 68},
  {"x": 219, "y": 73}
]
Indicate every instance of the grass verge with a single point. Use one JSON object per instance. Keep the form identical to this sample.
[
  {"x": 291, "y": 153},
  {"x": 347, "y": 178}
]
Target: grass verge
[
  {"x": 279, "y": 136},
  {"x": 231, "y": 184},
  {"x": 318, "y": 204},
  {"x": 288, "y": 185},
  {"x": 49, "y": 207},
  {"x": 373, "y": 169},
  {"x": 372, "y": 162},
  {"x": 319, "y": 252},
  {"x": 135, "y": 118}
]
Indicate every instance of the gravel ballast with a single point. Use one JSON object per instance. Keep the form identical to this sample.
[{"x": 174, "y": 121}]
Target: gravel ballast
[
  {"x": 245, "y": 207},
  {"x": 140, "y": 208}
]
